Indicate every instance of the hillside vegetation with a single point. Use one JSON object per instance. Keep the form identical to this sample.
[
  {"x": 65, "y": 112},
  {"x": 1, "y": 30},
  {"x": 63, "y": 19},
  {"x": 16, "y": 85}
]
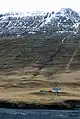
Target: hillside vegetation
[{"x": 32, "y": 63}]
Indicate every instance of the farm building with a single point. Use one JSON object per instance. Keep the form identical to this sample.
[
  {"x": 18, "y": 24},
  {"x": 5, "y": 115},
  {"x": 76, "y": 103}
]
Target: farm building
[{"x": 56, "y": 89}]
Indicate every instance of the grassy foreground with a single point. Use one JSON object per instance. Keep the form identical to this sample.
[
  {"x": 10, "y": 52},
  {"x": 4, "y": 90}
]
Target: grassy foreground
[{"x": 21, "y": 86}]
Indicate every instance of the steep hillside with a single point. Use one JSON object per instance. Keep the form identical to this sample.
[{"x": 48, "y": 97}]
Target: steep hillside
[
  {"x": 51, "y": 51},
  {"x": 30, "y": 65},
  {"x": 66, "y": 20},
  {"x": 41, "y": 23}
]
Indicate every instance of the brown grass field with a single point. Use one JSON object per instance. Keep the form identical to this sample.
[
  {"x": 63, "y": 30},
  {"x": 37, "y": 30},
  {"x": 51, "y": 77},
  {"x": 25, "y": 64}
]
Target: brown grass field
[
  {"x": 21, "y": 75},
  {"x": 21, "y": 86}
]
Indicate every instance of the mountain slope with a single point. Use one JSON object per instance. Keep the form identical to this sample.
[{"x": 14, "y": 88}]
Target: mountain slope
[
  {"x": 20, "y": 24},
  {"x": 66, "y": 20}
]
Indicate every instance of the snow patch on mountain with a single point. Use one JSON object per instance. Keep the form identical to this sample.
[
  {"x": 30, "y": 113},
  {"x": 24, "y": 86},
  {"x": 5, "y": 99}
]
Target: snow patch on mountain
[{"x": 66, "y": 20}]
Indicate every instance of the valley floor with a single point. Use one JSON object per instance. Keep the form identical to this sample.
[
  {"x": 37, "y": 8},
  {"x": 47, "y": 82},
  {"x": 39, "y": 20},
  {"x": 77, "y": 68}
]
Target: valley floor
[{"x": 22, "y": 86}]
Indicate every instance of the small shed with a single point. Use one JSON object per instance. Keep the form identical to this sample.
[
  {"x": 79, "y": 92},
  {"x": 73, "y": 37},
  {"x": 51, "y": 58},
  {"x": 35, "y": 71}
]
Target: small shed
[
  {"x": 56, "y": 89},
  {"x": 43, "y": 91}
]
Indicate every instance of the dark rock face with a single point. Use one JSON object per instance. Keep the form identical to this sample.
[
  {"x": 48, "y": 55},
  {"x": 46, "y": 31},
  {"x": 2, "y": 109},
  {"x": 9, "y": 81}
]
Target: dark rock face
[{"x": 19, "y": 24}]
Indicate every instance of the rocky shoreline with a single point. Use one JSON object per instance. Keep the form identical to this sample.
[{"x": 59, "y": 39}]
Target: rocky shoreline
[{"x": 68, "y": 104}]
